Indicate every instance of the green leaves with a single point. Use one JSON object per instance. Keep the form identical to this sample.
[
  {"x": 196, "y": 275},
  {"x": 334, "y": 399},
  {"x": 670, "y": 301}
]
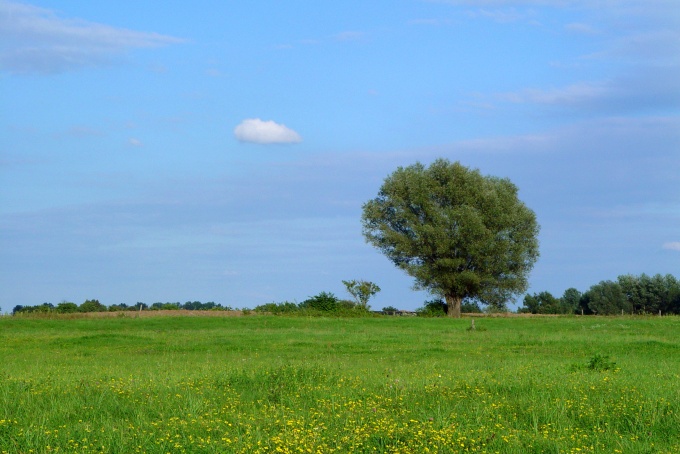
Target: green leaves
[
  {"x": 361, "y": 291},
  {"x": 457, "y": 232}
]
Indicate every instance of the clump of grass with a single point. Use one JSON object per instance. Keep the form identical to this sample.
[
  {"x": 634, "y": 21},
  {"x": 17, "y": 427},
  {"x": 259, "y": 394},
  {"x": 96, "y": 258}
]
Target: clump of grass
[
  {"x": 597, "y": 363},
  {"x": 601, "y": 363},
  {"x": 472, "y": 326}
]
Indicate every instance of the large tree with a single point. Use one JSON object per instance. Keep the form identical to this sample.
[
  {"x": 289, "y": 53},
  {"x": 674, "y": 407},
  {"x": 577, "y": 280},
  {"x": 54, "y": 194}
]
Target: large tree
[{"x": 459, "y": 233}]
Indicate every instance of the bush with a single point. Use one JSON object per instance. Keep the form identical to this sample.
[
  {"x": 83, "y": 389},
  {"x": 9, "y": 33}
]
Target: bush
[
  {"x": 324, "y": 301},
  {"x": 165, "y": 306},
  {"x": 470, "y": 307},
  {"x": 432, "y": 308},
  {"x": 390, "y": 309},
  {"x": 92, "y": 306},
  {"x": 40, "y": 309},
  {"x": 277, "y": 308},
  {"x": 349, "y": 305},
  {"x": 66, "y": 307}
]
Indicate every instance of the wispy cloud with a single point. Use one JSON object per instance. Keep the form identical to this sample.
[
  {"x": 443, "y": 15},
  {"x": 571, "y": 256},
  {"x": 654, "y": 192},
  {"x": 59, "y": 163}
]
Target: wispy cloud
[
  {"x": 672, "y": 246},
  {"x": 581, "y": 28},
  {"x": 572, "y": 94},
  {"x": 37, "y": 40},
  {"x": 503, "y": 16},
  {"x": 659, "y": 46},
  {"x": 647, "y": 88},
  {"x": 81, "y": 132},
  {"x": 350, "y": 35},
  {"x": 254, "y": 130}
]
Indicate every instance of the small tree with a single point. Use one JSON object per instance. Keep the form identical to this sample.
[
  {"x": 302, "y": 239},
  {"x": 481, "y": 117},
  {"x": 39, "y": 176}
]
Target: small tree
[
  {"x": 361, "y": 291},
  {"x": 571, "y": 300}
]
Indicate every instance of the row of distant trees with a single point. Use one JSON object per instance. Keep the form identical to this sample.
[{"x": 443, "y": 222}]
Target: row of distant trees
[
  {"x": 66, "y": 307},
  {"x": 629, "y": 294}
]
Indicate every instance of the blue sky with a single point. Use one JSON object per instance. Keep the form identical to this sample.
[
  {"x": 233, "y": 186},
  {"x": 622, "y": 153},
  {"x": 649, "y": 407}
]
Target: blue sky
[{"x": 221, "y": 151}]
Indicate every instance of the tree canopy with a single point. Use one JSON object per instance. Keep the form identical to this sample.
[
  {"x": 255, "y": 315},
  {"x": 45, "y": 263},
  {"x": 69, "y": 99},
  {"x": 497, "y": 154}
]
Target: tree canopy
[
  {"x": 459, "y": 233},
  {"x": 361, "y": 291}
]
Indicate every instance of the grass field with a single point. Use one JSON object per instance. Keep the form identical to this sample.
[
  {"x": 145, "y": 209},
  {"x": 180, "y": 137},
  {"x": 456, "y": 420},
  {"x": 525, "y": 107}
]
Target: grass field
[{"x": 383, "y": 384}]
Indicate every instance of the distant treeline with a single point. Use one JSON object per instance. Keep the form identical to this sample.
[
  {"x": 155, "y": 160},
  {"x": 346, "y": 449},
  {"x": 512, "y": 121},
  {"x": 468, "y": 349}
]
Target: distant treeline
[
  {"x": 66, "y": 307},
  {"x": 629, "y": 294}
]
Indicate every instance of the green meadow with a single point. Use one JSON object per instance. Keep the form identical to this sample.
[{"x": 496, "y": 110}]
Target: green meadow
[{"x": 258, "y": 384}]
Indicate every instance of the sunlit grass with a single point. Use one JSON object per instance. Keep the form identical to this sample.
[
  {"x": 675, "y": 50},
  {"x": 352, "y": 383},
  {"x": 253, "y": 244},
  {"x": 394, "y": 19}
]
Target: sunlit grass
[{"x": 279, "y": 384}]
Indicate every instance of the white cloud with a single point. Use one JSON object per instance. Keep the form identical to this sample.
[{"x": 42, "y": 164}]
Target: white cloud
[
  {"x": 133, "y": 142},
  {"x": 501, "y": 16},
  {"x": 349, "y": 35},
  {"x": 673, "y": 246},
  {"x": 580, "y": 28},
  {"x": 572, "y": 94},
  {"x": 255, "y": 130},
  {"x": 36, "y": 40}
]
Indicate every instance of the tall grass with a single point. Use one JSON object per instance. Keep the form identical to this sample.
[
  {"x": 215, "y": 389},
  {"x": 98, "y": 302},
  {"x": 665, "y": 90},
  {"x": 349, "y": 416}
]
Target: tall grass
[{"x": 286, "y": 384}]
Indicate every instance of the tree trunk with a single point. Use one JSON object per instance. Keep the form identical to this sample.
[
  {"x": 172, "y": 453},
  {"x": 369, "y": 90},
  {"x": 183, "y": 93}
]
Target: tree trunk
[{"x": 453, "y": 305}]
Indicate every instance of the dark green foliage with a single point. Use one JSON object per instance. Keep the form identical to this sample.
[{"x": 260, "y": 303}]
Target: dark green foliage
[
  {"x": 607, "y": 298},
  {"x": 66, "y": 307},
  {"x": 470, "y": 307},
  {"x": 458, "y": 233},
  {"x": 92, "y": 306},
  {"x": 546, "y": 303},
  {"x": 324, "y": 301},
  {"x": 570, "y": 300},
  {"x": 348, "y": 305},
  {"x": 651, "y": 294},
  {"x": 432, "y": 308},
  {"x": 597, "y": 363},
  {"x": 40, "y": 309},
  {"x": 198, "y": 306},
  {"x": 641, "y": 294},
  {"x": 44, "y": 308},
  {"x": 165, "y": 306},
  {"x": 278, "y": 308},
  {"x": 601, "y": 363},
  {"x": 389, "y": 309},
  {"x": 437, "y": 308}
]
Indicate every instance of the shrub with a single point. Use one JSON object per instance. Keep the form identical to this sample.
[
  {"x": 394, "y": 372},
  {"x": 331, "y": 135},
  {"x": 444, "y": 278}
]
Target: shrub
[
  {"x": 324, "y": 301},
  {"x": 470, "y": 307},
  {"x": 92, "y": 306},
  {"x": 165, "y": 306},
  {"x": 601, "y": 363},
  {"x": 66, "y": 307},
  {"x": 432, "y": 308},
  {"x": 277, "y": 308},
  {"x": 349, "y": 305}
]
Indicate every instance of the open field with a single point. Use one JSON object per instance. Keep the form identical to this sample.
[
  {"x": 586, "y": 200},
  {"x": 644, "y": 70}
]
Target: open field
[{"x": 382, "y": 384}]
